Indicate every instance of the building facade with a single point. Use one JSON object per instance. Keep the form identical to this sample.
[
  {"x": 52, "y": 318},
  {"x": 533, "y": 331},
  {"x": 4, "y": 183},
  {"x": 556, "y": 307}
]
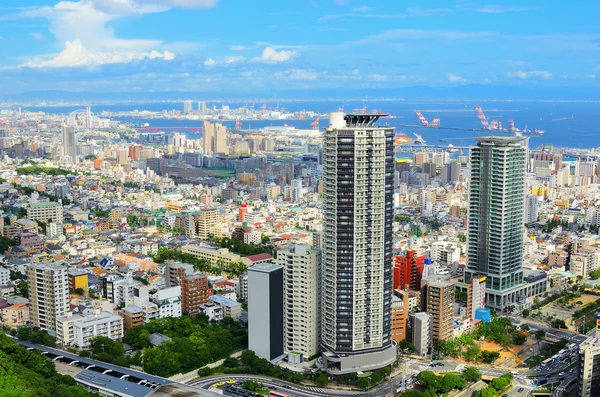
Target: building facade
[
  {"x": 589, "y": 365},
  {"x": 496, "y": 217},
  {"x": 265, "y": 310},
  {"x": 301, "y": 305},
  {"x": 440, "y": 304},
  {"x": 48, "y": 294},
  {"x": 422, "y": 332},
  {"x": 98, "y": 324},
  {"x": 356, "y": 303},
  {"x": 49, "y": 211}
]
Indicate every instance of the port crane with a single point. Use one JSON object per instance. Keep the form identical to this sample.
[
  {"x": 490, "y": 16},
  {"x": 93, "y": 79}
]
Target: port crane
[
  {"x": 315, "y": 124},
  {"x": 434, "y": 123},
  {"x": 419, "y": 139}
]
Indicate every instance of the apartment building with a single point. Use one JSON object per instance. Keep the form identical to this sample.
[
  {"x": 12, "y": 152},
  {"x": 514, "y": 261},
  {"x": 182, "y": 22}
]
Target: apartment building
[
  {"x": 589, "y": 365},
  {"x": 229, "y": 308},
  {"x": 48, "y": 294},
  {"x": 49, "y": 211},
  {"x": 301, "y": 304},
  {"x": 98, "y": 324},
  {"x": 440, "y": 304}
]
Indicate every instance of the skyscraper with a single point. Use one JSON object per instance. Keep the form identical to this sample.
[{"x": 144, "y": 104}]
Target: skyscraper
[
  {"x": 496, "y": 212},
  {"x": 358, "y": 160},
  {"x": 220, "y": 145},
  {"x": 187, "y": 107},
  {"x": 589, "y": 367},
  {"x": 208, "y": 133},
  {"x": 68, "y": 138}
]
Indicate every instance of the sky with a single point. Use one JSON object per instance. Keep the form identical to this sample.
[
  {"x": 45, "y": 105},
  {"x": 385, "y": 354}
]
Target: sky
[{"x": 250, "y": 46}]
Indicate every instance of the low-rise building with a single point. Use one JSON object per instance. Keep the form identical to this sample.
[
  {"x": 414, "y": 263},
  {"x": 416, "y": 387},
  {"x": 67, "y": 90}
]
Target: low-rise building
[
  {"x": 14, "y": 316},
  {"x": 98, "y": 324},
  {"x": 229, "y": 308}
]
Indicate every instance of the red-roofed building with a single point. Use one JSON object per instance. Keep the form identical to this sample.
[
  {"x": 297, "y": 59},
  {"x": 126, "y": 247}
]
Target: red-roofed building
[{"x": 257, "y": 259}]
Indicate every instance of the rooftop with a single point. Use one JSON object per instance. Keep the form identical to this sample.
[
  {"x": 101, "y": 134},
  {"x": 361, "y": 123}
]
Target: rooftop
[
  {"x": 265, "y": 267},
  {"x": 223, "y": 301},
  {"x": 111, "y": 383},
  {"x": 44, "y": 204}
]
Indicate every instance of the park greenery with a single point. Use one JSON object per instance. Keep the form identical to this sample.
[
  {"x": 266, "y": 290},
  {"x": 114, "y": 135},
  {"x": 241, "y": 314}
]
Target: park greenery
[
  {"x": 25, "y": 373},
  {"x": 194, "y": 343},
  {"x": 440, "y": 384},
  {"x": 239, "y": 247},
  {"x": 500, "y": 330},
  {"x": 595, "y": 274},
  {"x": 587, "y": 309},
  {"x": 201, "y": 265},
  {"x": 496, "y": 386},
  {"x": 36, "y": 170}
]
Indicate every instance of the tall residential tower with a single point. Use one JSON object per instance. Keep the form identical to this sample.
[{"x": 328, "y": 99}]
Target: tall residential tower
[
  {"x": 496, "y": 220},
  {"x": 358, "y": 163}
]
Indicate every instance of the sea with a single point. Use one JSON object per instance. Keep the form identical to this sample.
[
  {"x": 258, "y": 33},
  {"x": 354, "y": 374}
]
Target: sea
[{"x": 566, "y": 124}]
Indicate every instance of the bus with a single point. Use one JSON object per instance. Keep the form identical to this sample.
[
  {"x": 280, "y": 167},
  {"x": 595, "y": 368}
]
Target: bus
[
  {"x": 547, "y": 361},
  {"x": 572, "y": 346},
  {"x": 277, "y": 394}
]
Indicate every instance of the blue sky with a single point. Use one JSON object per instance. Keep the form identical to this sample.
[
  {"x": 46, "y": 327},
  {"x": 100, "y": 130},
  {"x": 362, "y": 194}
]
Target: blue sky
[{"x": 258, "y": 45}]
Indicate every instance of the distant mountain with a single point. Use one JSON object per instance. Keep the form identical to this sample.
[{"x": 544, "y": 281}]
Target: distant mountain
[{"x": 464, "y": 92}]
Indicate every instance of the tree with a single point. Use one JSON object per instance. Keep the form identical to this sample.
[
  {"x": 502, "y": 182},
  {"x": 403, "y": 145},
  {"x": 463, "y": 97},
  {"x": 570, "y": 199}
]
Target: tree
[
  {"x": 539, "y": 334},
  {"x": 472, "y": 374},
  {"x": 525, "y": 327},
  {"x": 363, "y": 383},
  {"x": 429, "y": 380},
  {"x": 595, "y": 274},
  {"x": 230, "y": 362},
  {"x": 462, "y": 238},
  {"x": 451, "y": 381},
  {"x": 6, "y": 243},
  {"x": 489, "y": 357},
  {"x": 23, "y": 288},
  {"x": 80, "y": 291},
  {"x": 322, "y": 379},
  {"x": 472, "y": 353},
  {"x": 487, "y": 392},
  {"x": 205, "y": 371},
  {"x": 526, "y": 313},
  {"x": 558, "y": 323},
  {"x": 406, "y": 345}
]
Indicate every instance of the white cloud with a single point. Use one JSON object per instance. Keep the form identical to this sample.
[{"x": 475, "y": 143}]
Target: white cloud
[
  {"x": 361, "y": 9},
  {"x": 209, "y": 62},
  {"x": 498, "y": 9},
  {"x": 378, "y": 77},
  {"x": 269, "y": 54},
  {"x": 486, "y": 81},
  {"x": 86, "y": 26},
  {"x": 525, "y": 75},
  {"x": 37, "y": 36},
  {"x": 76, "y": 55},
  {"x": 238, "y": 48},
  {"x": 454, "y": 78},
  {"x": 234, "y": 59},
  {"x": 591, "y": 76}
]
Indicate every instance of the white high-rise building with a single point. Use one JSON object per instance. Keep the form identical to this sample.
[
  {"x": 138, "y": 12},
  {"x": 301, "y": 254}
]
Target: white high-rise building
[
  {"x": 531, "y": 209},
  {"x": 187, "y": 107},
  {"x": 356, "y": 297},
  {"x": 69, "y": 142},
  {"x": 422, "y": 331},
  {"x": 48, "y": 293},
  {"x": 301, "y": 289},
  {"x": 589, "y": 367}
]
